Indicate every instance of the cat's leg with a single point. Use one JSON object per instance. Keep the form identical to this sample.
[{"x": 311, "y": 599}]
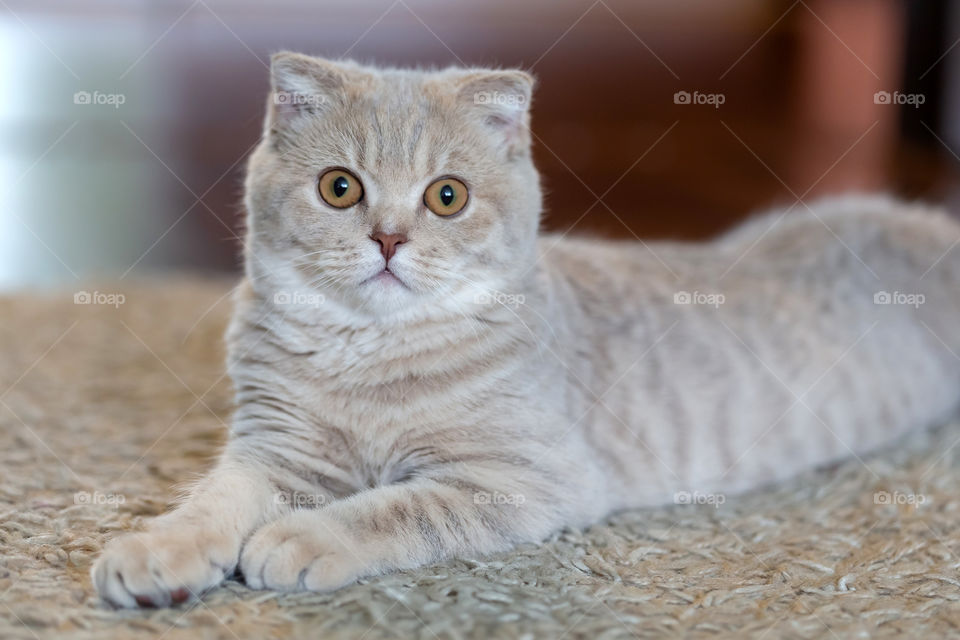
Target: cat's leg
[
  {"x": 399, "y": 526},
  {"x": 192, "y": 548}
]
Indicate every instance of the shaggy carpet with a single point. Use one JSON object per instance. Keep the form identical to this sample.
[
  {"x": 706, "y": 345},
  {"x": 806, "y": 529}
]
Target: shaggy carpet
[{"x": 105, "y": 406}]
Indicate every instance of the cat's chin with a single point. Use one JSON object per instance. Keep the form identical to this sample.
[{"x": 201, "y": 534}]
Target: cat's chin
[{"x": 385, "y": 294}]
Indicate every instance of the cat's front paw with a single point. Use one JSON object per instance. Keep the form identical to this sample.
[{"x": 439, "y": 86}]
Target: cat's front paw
[
  {"x": 160, "y": 568},
  {"x": 303, "y": 551}
]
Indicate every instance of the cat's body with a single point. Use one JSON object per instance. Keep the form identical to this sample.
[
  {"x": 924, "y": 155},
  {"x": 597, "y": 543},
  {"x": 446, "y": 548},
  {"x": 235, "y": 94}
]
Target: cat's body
[
  {"x": 497, "y": 386},
  {"x": 762, "y": 353}
]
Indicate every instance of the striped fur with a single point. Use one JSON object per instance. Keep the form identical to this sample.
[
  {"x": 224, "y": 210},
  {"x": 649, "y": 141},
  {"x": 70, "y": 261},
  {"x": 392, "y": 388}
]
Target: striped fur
[{"x": 519, "y": 383}]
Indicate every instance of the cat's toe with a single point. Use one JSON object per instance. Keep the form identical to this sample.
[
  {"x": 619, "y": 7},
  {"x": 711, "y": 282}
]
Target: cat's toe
[
  {"x": 329, "y": 573},
  {"x": 275, "y": 557},
  {"x": 292, "y": 555},
  {"x": 286, "y": 566},
  {"x": 159, "y": 570}
]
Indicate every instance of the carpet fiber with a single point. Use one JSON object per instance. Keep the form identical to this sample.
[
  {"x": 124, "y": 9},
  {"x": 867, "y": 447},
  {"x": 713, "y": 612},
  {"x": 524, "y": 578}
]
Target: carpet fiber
[{"x": 104, "y": 407}]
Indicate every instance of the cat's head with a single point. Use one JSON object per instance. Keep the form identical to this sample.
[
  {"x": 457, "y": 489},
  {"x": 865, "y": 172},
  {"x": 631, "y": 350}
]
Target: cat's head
[{"x": 428, "y": 174}]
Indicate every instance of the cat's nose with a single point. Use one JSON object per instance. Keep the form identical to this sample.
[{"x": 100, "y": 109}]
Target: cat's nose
[{"x": 388, "y": 242}]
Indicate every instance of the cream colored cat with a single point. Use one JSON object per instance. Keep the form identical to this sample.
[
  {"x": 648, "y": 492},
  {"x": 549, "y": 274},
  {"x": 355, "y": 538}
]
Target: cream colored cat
[{"x": 421, "y": 375}]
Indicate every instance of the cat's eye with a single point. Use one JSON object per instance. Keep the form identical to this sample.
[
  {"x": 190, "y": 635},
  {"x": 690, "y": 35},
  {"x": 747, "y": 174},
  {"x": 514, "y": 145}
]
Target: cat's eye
[
  {"x": 340, "y": 189},
  {"x": 446, "y": 196}
]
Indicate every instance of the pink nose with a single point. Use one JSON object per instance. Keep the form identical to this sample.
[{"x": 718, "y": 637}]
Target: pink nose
[{"x": 388, "y": 242}]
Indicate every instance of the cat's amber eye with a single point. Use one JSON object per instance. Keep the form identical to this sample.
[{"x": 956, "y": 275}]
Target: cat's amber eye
[
  {"x": 446, "y": 196},
  {"x": 340, "y": 189}
]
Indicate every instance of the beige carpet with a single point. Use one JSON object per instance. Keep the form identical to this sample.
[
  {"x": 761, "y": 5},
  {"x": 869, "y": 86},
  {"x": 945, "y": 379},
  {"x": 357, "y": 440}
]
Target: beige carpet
[{"x": 102, "y": 403}]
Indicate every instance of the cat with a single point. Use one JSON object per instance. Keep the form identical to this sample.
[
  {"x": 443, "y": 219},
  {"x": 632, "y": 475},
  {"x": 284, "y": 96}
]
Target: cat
[{"x": 421, "y": 374}]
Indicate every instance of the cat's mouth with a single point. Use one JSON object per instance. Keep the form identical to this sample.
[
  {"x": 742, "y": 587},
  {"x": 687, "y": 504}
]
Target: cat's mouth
[{"x": 387, "y": 278}]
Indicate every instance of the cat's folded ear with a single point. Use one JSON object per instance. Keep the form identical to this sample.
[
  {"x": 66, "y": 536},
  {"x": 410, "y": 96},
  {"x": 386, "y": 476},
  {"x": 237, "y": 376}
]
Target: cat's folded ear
[
  {"x": 304, "y": 85},
  {"x": 501, "y": 100}
]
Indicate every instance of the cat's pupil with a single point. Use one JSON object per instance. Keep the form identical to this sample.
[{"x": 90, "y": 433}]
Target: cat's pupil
[
  {"x": 446, "y": 195},
  {"x": 340, "y": 186}
]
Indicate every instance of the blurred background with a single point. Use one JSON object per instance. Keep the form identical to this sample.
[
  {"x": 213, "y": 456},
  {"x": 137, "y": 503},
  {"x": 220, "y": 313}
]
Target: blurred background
[{"x": 124, "y": 125}]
